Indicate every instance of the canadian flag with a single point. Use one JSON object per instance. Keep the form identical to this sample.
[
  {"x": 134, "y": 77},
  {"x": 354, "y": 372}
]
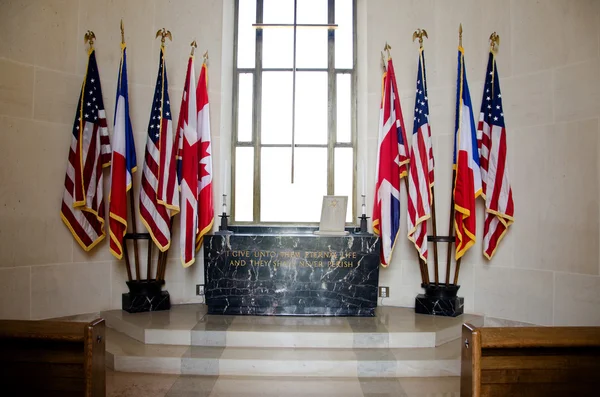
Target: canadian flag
[
  {"x": 206, "y": 211},
  {"x": 188, "y": 135}
]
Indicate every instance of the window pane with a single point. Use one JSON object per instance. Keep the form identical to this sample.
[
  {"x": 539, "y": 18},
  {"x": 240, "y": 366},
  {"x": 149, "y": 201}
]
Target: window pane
[
  {"x": 344, "y": 108},
  {"x": 278, "y": 11},
  {"x": 343, "y": 34},
  {"x": 276, "y": 107},
  {"x": 246, "y": 33},
  {"x": 343, "y": 172},
  {"x": 311, "y": 107},
  {"x": 312, "y": 11},
  {"x": 282, "y": 201},
  {"x": 311, "y": 48},
  {"x": 278, "y": 48},
  {"x": 244, "y": 184},
  {"x": 245, "y": 100}
]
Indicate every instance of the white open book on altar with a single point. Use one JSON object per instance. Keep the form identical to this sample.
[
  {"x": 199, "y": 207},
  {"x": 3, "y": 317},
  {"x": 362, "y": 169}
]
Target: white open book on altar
[{"x": 333, "y": 216}]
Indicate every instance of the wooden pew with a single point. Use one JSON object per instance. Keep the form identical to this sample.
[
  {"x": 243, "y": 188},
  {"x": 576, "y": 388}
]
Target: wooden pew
[
  {"x": 52, "y": 358},
  {"x": 530, "y": 361}
]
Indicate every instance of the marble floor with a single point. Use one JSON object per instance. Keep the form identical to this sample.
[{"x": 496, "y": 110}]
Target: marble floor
[{"x": 123, "y": 384}]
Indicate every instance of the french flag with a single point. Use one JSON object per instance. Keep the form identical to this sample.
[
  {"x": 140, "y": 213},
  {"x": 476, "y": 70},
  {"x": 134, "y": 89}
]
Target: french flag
[
  {"x": 124, "y": 162},
  {"x": 466, "y": 163}
]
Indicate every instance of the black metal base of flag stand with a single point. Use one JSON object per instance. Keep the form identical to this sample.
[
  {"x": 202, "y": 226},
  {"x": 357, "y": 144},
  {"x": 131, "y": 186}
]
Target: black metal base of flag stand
[
  {"x": 144, "y": 295},
  {"x": 440, "y": 299}
]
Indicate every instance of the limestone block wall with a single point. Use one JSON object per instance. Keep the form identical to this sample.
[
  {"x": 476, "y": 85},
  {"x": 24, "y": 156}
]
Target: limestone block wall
[
  {"x": 43, "y": 271},
  {"x": 547, "y": 270}
]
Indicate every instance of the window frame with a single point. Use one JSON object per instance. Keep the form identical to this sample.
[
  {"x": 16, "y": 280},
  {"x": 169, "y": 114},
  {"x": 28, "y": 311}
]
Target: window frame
[{"x": 255, "y": 141}]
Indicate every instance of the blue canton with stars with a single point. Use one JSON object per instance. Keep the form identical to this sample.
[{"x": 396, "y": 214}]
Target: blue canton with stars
[
  {"x": 491, "y": 106},
  {"x": 92, "y": 96},
  {"x": 161, "y": 107},
  {"x": 421, "y": 101}
]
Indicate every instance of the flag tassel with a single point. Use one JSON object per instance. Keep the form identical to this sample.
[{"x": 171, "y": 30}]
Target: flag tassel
[
  {"x": 451, "y": 233},
  {"x": 422, "y": 264}
]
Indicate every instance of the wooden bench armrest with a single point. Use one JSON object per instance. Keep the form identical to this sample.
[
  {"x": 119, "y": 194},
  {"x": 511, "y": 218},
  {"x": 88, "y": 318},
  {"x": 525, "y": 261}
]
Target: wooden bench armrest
[{"x": 47, "y": 330}]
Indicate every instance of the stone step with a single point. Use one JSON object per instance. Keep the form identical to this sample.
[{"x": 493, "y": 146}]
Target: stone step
[
  {"x": 129, "y": 355},
  {"x": 189, "y": 325}
]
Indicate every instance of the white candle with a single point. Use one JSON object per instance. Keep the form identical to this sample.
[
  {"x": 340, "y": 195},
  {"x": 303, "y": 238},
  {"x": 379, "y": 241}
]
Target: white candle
[
  {"x": 363, "y": 179},
  {"x": 364, "y": 206},
  {"x": 224, "y": 203},
  {"x": 226, "y": 177}
]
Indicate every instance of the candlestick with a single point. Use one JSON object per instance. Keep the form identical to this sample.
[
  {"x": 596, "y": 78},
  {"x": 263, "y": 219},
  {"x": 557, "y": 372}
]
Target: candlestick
[{"x": 224, "y": 228}]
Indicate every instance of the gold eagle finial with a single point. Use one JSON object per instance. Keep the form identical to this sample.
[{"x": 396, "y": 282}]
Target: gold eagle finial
[
  {"x": 419, "y": 34},
  {"x": 494, "y": 42},
  {"x": 164, "y": 34},
  {"x": 89, "y": 37}
]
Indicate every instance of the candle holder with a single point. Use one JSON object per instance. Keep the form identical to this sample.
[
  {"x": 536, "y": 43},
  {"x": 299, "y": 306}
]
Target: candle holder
[
  {"x": 224, "y": 228},
  {"x": 362, "y": 230}
]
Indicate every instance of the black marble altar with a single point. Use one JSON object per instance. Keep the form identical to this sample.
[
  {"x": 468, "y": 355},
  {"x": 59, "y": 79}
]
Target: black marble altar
[
  {"x": 440, "y": 300},
  {"x": 290, "y": 271}
]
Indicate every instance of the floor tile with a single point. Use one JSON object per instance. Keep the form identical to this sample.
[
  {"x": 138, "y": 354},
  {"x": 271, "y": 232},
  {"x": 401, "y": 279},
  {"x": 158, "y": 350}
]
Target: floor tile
[
  {"x": 411, "y": 387},
  {"x": 192, "y": 386},
  {"x": 286, "y": 386},
  {"x": 124, "y": 384}
]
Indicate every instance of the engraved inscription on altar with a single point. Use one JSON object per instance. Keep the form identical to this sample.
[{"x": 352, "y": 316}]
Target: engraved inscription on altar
[{"x": 260, "y": 258}]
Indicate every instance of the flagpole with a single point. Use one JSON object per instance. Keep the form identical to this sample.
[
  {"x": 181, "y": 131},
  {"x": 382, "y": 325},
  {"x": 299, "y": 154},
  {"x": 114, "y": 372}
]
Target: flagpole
[
  {"x": 452, "y": 210},
  {"x": 132, "y": 209},
  {"x": 127, "y": 264},
  {"x": 422, "y": 264},
  {"x": 435, "y": 246},
  {"x": 450, "y": 230},
  {"x": 419, "y": 34}
]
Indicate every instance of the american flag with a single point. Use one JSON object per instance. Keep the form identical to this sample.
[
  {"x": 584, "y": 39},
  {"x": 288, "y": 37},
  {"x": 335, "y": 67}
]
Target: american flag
[
  {"x": 392, "y": 163},
  {"x": 466, "y": 164},
  {"x": 159, "y": 195},
  {"x": 124, "y": 162},
  {"x": 491, "y": 136},
  {"x": 421, "y": 167},
  {"x": 206, "y": 215},
  {"x": 82, "y": 207},
  {"x": 187, "y": 132}
]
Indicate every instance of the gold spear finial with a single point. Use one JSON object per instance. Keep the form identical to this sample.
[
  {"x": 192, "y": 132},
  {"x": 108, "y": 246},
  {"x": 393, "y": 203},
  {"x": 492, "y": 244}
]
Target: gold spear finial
[
  {"x": 387, "y": 49},
  {"x": 494, "y": 42},
  {"x": 163, "y": 33},
  {"x": 122, "y": 32},
  {"x": 194, "y": 46},
  {"x": 460, "y": 35},
  {"x": 205, "y": 56},
  {"x": 419, "y": 34},
  {"x": 89, "y": 37}
]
